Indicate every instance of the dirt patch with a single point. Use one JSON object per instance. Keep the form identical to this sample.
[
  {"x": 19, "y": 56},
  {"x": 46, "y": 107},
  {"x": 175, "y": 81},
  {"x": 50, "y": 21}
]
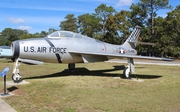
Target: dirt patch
[{"x": 15, "y": 91}]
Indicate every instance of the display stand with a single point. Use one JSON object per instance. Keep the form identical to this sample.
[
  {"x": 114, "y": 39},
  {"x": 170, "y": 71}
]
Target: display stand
[{"x": 3, "y": 74}]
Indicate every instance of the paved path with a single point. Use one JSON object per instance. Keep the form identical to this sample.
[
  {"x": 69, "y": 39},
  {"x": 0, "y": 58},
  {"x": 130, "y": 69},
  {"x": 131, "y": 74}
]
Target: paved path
[{"x": 4, "y": 107}]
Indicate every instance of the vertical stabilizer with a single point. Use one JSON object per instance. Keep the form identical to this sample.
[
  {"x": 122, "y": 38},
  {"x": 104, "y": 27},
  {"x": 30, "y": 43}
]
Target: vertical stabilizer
[{"x": 133, "y": 38}]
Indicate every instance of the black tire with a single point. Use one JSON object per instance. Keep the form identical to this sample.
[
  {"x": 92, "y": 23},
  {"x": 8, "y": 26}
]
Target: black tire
[
  {"x": 126, "y": 75},
  {"x": 16, "y": 80},
  {"x": 71, "y": 66}
]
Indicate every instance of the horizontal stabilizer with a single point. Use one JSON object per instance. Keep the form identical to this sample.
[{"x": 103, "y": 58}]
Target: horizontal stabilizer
[{"x": 146, "y": 43}]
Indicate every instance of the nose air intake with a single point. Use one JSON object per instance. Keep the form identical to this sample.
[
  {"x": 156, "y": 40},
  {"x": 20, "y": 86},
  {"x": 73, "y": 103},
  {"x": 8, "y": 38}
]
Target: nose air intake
[{"x": 15, "y": 49}]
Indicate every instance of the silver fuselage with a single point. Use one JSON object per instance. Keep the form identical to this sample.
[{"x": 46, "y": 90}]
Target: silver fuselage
[{"x": 62, "y": 49}]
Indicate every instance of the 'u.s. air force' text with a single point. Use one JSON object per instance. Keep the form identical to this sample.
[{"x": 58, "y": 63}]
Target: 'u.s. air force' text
[{"x": 56, "y": 50}]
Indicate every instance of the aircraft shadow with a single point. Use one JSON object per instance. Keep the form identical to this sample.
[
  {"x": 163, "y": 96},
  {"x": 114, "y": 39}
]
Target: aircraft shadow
[
  {"x": 11, "y": 89},
  {"x": 85, "y": 72}
]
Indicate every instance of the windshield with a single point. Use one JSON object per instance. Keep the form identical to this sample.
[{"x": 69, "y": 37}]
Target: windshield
[{"x": 59, "y": 34}]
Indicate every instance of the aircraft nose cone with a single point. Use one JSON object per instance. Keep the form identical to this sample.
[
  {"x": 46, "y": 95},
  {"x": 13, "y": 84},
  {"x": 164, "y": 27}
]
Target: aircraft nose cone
[{"x": 15, "y": 49}]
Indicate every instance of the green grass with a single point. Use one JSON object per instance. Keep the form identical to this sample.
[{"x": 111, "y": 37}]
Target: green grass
[{"x": 94, "y": 87}]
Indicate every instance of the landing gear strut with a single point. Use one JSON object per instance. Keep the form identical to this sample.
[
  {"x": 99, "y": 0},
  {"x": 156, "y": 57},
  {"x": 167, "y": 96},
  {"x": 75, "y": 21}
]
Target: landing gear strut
[
  {"x": 129, "y": 69},
  {"x": 127, "y": 73},
  {"x": 71, "y": 66},
  {"x": 16, "y": 77}
]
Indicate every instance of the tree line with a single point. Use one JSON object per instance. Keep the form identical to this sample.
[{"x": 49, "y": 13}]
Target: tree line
[{"x": 114, "y": 27}]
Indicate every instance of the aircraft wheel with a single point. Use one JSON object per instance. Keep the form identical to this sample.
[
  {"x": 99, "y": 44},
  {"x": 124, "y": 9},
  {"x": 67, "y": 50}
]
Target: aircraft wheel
[
  {"x": 71, "y": 66},
  {"x": 126, "y": 73},
  {"x": 16, "y": 78}
]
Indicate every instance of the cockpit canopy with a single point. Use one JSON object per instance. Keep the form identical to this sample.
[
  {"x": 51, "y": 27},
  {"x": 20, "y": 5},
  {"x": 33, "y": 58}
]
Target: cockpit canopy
[{"x": 68, "y": 34}]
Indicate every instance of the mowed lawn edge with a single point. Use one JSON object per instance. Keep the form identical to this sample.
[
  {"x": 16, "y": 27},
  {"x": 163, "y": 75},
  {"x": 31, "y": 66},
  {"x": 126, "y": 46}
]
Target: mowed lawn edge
[{"x": 94, "y": 87}]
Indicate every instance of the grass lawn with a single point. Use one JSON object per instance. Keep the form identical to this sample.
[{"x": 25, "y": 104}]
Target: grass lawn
[{"x": 94, "y": 87}]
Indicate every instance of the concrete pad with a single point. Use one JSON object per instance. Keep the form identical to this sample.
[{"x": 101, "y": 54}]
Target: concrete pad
[
  {"x": 117, "y": 77},
  {"x": 2, "y": 95},
  {"x": 138, "y": 80},
  {"x": 132, "y": 79},
  {"x": 11, "y": 83}
]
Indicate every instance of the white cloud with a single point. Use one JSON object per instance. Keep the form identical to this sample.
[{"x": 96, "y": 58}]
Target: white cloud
[
  {"x": 124, "y": 2},
  {"x": 44, "y": 5},
  {"x": 16, "y": 20},
  {"x": 25, "y": 28}
]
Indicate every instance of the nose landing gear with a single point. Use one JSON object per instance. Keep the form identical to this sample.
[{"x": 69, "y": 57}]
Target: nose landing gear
[{"x": 16, "y": 77}]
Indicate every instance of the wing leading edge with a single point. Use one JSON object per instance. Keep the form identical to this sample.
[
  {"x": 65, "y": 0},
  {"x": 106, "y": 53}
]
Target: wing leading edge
[{"x": 120, "y": 56}]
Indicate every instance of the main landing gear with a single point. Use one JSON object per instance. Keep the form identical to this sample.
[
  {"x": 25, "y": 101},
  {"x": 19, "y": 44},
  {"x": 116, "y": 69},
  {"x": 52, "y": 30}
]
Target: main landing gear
[
  {"x": 71, "y": 66},
  {"x": 127, "y": 73},
  {"x": 16, "y": 77},
  {"x": 129, "y": 69}
]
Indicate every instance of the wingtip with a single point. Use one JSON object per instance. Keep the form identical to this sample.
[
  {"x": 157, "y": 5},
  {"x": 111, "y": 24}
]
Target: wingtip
[{"x": 167, "y": 59}]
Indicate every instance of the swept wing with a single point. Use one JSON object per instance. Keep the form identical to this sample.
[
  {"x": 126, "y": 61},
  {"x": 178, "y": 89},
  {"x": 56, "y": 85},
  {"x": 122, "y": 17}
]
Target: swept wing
[{"x": 120, "y": 55}]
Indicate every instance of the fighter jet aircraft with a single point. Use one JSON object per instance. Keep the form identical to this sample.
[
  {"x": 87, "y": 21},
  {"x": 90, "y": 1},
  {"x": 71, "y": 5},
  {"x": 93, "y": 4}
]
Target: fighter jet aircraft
[
  {"x": 68, "y": 47},
  {"x": 5, "y": 52}
]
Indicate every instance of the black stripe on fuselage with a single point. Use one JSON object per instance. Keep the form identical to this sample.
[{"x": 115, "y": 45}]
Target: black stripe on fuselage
[{"x": 52, "y": 45}]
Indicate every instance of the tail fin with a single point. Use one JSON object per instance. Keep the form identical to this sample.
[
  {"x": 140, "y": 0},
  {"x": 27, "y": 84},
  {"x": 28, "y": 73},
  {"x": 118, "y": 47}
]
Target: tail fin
[{"x": 133, "y": 38}]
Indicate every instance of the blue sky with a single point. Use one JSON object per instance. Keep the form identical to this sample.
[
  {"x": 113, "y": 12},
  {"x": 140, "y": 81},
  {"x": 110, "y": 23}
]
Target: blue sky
[{"x": 40, "y": 15}]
